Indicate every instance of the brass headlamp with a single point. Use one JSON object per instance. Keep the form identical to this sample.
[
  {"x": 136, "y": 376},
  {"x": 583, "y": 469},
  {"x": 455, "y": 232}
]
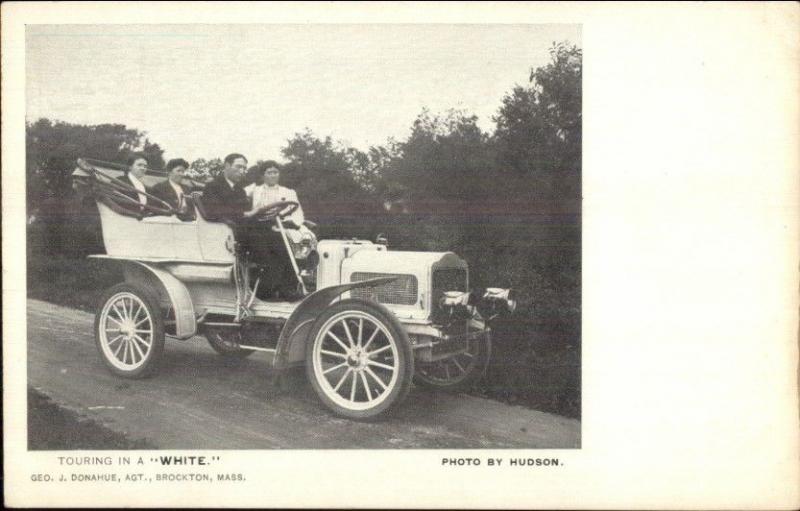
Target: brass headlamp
[
  {"x": 457, "y": 304},
  {"x": 496, "y": 302}
]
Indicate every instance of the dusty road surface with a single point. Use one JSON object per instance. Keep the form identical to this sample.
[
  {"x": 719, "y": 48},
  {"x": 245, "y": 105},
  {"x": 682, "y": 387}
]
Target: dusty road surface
[{"x": 197, "y": 401}]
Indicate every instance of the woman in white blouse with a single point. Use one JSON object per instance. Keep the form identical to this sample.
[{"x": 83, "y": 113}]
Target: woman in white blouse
[{"x": 262, "y": 194}]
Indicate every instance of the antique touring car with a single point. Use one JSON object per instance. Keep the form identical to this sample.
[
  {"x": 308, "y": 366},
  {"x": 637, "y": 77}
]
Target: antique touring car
[{"x": 370, "y": 319}]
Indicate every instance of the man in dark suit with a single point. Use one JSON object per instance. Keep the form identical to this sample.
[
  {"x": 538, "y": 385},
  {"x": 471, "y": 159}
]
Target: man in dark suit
[
  {"x": 172, "y": 190},
  {"x": 224, "y": 199}
]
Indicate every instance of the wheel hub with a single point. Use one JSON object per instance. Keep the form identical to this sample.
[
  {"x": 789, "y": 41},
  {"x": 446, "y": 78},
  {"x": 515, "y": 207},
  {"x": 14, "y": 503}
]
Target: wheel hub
[
  {"x": 127, "y": 330},
  {"x": 357, "y": 359}
]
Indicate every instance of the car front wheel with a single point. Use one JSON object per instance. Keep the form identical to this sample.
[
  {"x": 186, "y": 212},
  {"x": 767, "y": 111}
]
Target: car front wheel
[{"x": 359, "y": 359}]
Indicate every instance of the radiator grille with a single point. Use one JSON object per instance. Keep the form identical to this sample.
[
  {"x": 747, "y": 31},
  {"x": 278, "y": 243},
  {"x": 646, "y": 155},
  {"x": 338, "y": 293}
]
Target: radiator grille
[{"x": 402, "y": 291}]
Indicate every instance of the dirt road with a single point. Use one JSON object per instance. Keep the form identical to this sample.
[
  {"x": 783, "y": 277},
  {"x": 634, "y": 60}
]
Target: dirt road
[{"x": 197, "y": 401}]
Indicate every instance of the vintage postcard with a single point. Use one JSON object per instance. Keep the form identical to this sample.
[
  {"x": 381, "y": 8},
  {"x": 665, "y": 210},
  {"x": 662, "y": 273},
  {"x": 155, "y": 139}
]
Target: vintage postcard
[{"x": 403, "y": 255}]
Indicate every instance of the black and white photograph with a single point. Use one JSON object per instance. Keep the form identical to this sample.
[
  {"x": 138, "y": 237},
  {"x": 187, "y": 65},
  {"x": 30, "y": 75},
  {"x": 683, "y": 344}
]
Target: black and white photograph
[
  {"x": 287, "y": 236},
  {"x": 400, "y": 255}
]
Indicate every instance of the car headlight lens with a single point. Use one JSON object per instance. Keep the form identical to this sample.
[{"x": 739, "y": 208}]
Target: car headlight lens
[
  {"x": 454, "y": 299},
  {"x": 497, "y": 301},
  {"x": 456, "y": 304}
]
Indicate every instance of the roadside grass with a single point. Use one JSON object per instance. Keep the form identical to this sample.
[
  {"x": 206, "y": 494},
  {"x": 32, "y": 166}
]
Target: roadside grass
[
  {"x": 534, "y": 364},
  {"x": 75, "y": 283},
  {"x": 51, "y": 427}
]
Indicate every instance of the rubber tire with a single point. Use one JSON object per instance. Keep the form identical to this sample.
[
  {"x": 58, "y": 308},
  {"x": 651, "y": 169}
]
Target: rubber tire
[
  {"x": 478, "y": 370},
  {"x": 225, "y": 352},
  {"x": 153, "y": 308},
  {"x": 405, "y": 358}
]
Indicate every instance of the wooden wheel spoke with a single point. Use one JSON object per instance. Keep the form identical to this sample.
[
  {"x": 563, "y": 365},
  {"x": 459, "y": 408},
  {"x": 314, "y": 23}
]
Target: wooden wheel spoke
[
  {"x": 360, "y": 331},
  {"x": 146, "y": 343},
  {"x": 146, "y": 318},
  {"x": 353, "y": 388},
  {"x": 133, "y": 351},
  {"x": 344, "y": 377},
  {"x": 119, "y": 307},
  {"x": 120, "y": 315},
  {"x": 378, "y": 364},
  {"x": 366, "y": 386},
  {"x": 328, "y": 370},
  {"x": 138, "y": 349},
  {"x": 379, "y": 350},
  {"x": 339, "y": 341},
  {"x": 371, "y": 338},
  {"x": 115, "y": 339},
  {"x": 375, "y": 377},
  {"x": 347, "y": 332},
  {"x": 138, "y": 311},
  {"x": 116, "y": 352},
  {"x": 333, "y": 354},
  {"x": 460, "y": 368}
]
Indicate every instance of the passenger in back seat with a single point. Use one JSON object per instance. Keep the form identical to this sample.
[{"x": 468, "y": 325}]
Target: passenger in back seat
[
  {"x": 172, "y": 190},
  {"x": 137, "y": 168}
]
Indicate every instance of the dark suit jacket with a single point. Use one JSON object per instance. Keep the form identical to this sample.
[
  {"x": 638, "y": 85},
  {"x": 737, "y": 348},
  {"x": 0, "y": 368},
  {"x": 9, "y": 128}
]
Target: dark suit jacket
[
  {"x": 166, "y": 192},
  {"x": 223, "y": 203}
]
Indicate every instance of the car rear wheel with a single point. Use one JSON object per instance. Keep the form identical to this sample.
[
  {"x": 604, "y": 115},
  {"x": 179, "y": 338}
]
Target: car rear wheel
[
  {"x": 226, "y": 342},
  {"x": 458, "y": 372},
  {"x": 129, "y": 330},
  {"x": 359, "y": 359}
]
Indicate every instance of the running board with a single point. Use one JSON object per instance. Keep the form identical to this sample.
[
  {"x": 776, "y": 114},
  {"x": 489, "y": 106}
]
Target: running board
[
  {"x": 256, "y": 348},
  {"x": 222, "y": 324},
  {"x": 263, "y": 319}
]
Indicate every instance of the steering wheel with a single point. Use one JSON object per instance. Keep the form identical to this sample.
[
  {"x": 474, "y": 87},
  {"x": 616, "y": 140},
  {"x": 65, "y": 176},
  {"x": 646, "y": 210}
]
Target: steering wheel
[{"x": 280, "y": 209}]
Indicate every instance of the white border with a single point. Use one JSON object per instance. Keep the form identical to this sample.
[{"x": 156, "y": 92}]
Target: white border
[{"x": 690, "y": 269}]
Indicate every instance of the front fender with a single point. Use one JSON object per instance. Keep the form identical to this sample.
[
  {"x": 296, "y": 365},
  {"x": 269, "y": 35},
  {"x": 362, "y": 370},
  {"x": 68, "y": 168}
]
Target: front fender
[{"x": 291, "y": 342}]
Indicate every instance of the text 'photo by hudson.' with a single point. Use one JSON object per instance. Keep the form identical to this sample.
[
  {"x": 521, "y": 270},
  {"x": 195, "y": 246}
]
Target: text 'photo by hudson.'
[{"x": 304, "y": 236}]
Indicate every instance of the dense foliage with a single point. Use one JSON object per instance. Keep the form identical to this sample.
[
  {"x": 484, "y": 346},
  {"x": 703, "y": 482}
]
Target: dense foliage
[{"x": 508, "y": 201}]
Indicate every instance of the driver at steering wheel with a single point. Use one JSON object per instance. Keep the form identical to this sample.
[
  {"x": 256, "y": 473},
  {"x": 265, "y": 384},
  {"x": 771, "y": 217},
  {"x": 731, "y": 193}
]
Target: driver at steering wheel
[
  {"x": 225, "y": 200},
  {"x": 266, "y": 190}
]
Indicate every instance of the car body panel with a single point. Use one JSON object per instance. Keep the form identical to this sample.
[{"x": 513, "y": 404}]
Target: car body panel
[{"x": 291, "y": 343}]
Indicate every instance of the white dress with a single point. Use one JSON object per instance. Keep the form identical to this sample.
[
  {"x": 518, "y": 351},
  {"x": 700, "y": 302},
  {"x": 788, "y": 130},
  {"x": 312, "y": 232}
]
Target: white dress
[{"x": 261, "y": 195}]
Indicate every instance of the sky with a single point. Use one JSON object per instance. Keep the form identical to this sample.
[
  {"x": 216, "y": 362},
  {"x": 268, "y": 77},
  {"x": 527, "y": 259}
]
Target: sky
[{"x": 203, "y": 91}]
